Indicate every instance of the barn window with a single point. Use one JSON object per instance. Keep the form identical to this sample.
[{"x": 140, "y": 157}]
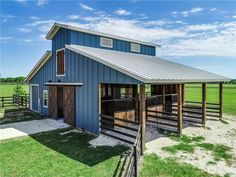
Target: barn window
[
  {"x": 106, "y": 42},
  {"x": 135, "y": 47},
  {"x": 60, "y": 62},
  {"x": 45, "y": 98}
]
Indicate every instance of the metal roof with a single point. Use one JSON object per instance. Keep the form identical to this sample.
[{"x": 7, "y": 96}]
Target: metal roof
[
  {"x": 147, "y": 69},
  {"x": 54, "y": 29},
  {"x": 37, "y": 67}
]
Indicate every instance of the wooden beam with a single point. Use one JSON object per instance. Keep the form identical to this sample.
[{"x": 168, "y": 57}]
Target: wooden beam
[
  {"x": 221, "y": 99},
  {"x": 204, "y": 104},
  {"x": 179, "y": 108},
  {"x": 135, "y": 95},
  {"x": 163, "y": 97},
  {"x": 142, "y": 114},
  {"x": 183, "y": 93}
]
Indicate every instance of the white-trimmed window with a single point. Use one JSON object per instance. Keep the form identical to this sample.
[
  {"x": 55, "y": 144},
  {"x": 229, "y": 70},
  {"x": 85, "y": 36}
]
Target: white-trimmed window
[
  {"x": 60, "y": 62},
  {"x": 106, "y": 42},
  {"x": 45, "y": 98},
  {"x": 135, "y": 47}
]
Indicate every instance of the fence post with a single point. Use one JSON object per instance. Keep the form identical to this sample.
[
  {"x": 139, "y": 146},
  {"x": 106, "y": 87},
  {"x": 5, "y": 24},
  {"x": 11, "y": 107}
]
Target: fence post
[
  {"x": 135, "y": 161},
  {"x": 3, "y": 102},
  {"x": 204, "y": 104}
]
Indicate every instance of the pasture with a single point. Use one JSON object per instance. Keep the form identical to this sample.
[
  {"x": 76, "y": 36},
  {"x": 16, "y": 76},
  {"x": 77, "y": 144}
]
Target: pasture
[{"x": 6, "y": 89}]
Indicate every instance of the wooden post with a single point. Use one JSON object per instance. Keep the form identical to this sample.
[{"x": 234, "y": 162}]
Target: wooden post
[
  {"x": 183, "y": 93},
  {"x": 179, "y": 108},
  {"x": 204, "y": 104},
  {"x": 221, "y": 99},
  {"x": 142, "y": 115},
  {"x": 135, "y": 162},
  {"x": 163, "y": 97},
  {"x": 135, "y": 95},
  {"x": 3, "y": 102}
]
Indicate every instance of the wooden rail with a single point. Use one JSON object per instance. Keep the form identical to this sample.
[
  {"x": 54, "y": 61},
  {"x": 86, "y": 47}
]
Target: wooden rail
[{"x": 14, "y": 100}]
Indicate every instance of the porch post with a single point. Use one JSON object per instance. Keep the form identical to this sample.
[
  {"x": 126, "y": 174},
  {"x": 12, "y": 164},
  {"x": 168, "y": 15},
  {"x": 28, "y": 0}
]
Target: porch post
[
  {"x": 142, "y": 114},
  {"x": 163, "y": 97},
  {"x": 204, "y": 104},
  {"x": 135, "y": 95},
  {"x": 221, "y": 99},
  {"x": 179, "y": 108},
  {"x": 183, "y": 93}
]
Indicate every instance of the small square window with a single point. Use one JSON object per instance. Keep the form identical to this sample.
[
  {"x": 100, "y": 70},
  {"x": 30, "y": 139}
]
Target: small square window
[
  {"x": 45, "y": 98},
  {"x": 106, "y": 42},
  {"x": 135, "y": 47}
]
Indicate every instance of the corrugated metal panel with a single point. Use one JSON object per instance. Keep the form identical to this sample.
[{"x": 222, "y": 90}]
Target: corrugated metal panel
[
  {"x": 147, "y": 69},
  {"x": 91, "y": 40}
]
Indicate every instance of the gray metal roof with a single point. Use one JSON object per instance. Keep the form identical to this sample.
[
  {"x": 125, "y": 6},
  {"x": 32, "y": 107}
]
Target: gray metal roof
[{"x": 147, "y": 69}]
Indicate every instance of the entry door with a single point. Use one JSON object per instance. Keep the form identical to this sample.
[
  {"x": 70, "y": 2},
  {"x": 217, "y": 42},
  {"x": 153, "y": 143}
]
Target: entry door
[
  {"x": 53, "y": 102},
  {"x": 34, "y": 98},
  {"x": 69, "y": 105}
]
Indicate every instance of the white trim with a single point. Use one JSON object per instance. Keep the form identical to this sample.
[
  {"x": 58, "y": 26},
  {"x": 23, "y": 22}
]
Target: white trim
[
  {"x": 134, "y": 50},
  {"x": 38, "y": 66},
  {"x": 31, "y": 101},
  {"x": 105, "y": 38},
  {"x": 61, "y": 83},
  {"x": 45, "y": 91},
  {"x": 56, "y": 26},
  {"x": 60, "y": 75}
]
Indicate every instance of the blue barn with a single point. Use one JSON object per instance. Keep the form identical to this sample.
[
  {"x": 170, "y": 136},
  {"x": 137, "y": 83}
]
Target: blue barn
[{"x": 88, "y": 74}]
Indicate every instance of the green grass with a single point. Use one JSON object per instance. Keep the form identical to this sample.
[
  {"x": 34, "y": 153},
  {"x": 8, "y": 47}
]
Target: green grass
[
  {"x": 7, "y": 89},
  {"x": 58, "y": 153},
  {"x": 186, "y": 139},
  {"x": 229, "y": 97},
  {"x": 154, "y": 166},
  {"x": 179, "y": 147}
]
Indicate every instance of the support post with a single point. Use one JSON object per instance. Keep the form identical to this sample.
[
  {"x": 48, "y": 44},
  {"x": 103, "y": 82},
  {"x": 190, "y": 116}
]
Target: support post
[
  {"x": 179, "y": 108},
  {"x": 204, "y": 104},
  {"x": 183, "y": 93},
  {"x": 163, "y": 97},
  {"x": 142, "y": 115},
  {"x": 135, "y": 95},
  {"x": 221, "y": 99}
]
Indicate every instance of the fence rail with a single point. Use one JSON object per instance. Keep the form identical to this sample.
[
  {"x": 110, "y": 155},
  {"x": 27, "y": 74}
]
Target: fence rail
[{"x": 14, "y": 100}]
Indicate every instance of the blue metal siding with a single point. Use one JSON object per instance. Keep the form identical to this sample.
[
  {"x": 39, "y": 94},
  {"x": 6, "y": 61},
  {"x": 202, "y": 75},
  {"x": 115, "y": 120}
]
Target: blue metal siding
[
  {"x": 80, "y": 69},
  {"x": 91, "y": 40}
]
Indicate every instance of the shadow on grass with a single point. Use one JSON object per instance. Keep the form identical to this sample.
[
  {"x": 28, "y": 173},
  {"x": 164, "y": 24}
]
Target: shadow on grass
[{"x": 75, "y": 145}]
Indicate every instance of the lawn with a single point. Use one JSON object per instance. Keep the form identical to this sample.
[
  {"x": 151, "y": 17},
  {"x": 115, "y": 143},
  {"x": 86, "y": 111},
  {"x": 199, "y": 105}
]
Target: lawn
[
  {"x": 229, "y": 96},
  {"x": 58, "y": 153},
  {"x": 7, "y": 89},
  {"x": 154, "y": 166}
]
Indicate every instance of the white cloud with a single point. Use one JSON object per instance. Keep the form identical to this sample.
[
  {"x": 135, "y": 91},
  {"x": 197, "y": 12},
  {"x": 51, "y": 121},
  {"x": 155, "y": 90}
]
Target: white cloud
[
  {"x": 5, "y": 18},
  {"x": 34, "y": 18},
  {"x": 73, "y": 17},
  {"x": 192, "y": 11},
  {"x": 24, "y": 29},
  {"x": 122, "y": 12},
  {"x": 201, "y": 27},
  {"x": 21, "y": 1},
  {"x": 234, "y": 16},
  {"x": 41, "y": 2},
  {"x": 212, "y": 9},
  {"x": 86, "y": 7},
  {"x": 5, "y": 39}
]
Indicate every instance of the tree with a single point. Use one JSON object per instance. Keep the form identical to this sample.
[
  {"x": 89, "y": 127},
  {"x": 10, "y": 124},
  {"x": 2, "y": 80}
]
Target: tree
[{"x": 18, "y": 90}]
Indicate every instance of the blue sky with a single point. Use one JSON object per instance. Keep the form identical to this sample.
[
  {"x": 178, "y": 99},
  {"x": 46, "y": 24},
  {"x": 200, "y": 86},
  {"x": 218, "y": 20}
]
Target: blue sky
[{"x": 196, "y": 33}]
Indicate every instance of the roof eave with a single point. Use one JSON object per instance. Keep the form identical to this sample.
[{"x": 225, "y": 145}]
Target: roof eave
[
  {"x": 38, "y": 66},
  {"x": 57, "y": 26}
]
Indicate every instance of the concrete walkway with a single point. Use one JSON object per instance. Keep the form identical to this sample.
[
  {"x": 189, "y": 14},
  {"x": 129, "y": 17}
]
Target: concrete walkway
[{"x": 21, "y": 129}]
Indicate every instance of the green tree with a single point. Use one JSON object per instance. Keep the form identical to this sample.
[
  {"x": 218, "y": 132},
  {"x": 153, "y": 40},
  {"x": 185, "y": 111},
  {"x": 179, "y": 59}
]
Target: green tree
[{"x": 19, "y": 90}]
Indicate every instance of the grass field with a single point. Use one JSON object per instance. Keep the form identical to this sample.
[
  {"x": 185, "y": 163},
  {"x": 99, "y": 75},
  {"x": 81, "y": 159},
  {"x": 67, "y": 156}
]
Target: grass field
[
  {"x": 58, "y": 153},
  {"x": 7, "y": 89},
  {"x": 229, "y": 96}
]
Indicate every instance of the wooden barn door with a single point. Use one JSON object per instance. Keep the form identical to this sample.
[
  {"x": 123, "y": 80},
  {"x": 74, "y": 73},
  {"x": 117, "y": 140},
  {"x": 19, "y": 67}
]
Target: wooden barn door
[
  {"x": 69, "y": 105},
  {"x": 53, "y": 102}
]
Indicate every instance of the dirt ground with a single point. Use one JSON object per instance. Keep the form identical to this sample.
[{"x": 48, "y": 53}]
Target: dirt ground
[{"x": 215, "y": 132}]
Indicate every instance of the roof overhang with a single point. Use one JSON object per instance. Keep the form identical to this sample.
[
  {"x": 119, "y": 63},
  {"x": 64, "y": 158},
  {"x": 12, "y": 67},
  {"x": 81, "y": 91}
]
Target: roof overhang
[
  {"x": 37, "y": 67},
  {"x": 148, "y": 69},
  {"x": 63, "y": 84},
  {"x": 56, "y": 26}
]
